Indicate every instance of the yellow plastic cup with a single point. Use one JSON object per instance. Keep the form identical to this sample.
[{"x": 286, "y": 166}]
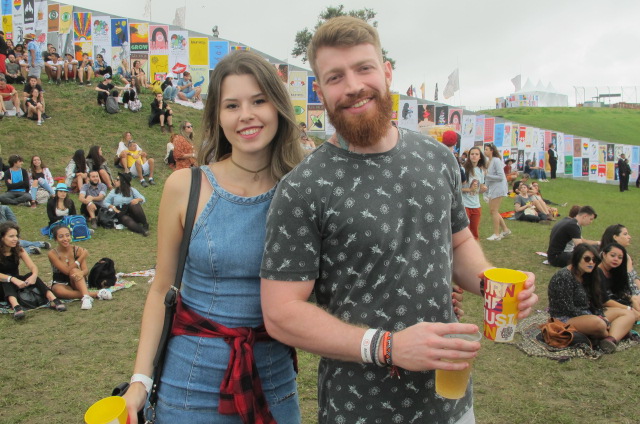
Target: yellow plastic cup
[
  {"x": 110, "y": 410},
  {"x": 501, "y": 288}
]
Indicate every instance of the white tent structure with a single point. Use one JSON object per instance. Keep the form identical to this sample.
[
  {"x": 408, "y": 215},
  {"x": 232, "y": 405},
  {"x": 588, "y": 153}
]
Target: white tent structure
[{"x": 547, "y": 95}]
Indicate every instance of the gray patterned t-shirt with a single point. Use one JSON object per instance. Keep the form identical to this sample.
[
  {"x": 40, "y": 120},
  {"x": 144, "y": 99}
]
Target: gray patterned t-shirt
[{"x": 374, "y": 231}]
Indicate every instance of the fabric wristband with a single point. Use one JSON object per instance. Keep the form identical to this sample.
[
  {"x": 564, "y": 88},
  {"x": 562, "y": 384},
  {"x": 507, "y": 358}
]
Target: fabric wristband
[
  {"x": 141, "y": 378},
  {"x": 375, "y": 346},
  {"x": 365, "y": 346}
]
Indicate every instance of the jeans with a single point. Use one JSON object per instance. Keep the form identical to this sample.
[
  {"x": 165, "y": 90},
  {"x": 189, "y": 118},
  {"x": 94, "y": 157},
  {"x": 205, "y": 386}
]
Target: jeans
[
  {"x": 15, "y": 197},
  {"x": 170, "y": 93},
  {"x": 45, "y": 185},
  {"x": 29, "y": 245}
]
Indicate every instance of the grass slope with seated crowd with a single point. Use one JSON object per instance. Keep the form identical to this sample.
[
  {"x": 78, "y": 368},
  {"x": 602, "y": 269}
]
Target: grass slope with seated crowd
[{"x": 56, "y": 365}]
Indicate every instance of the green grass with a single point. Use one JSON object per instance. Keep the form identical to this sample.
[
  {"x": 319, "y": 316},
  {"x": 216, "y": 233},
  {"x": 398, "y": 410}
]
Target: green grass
[
  {"x": 56, "y": 365},
  {"x": 604, "y": 124}
]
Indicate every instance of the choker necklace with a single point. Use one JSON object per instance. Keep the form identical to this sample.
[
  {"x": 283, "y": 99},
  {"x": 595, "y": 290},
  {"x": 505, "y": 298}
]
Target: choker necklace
[{"x": 255, "y": 176}]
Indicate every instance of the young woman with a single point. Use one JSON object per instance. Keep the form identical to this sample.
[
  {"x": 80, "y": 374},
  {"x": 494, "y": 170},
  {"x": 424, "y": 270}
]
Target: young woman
[
  {"x": 497, "y": 189},
  {"x": 100, "y": 67},
  {"x": 526, "y": 207},
  {"x": 252, "y": 143},
  {"x": 139, "y": 76},
  {"x": 614, "y": 280},
  {"x": 41, "y": 181},
  {"x": 77, "y": 171},
  {"x": 127, "y": 202},
  {"x": 60, "y": 205},
  {"x": 70, "y": 271},
  {"x": 538, "y": 192},
  {"x": 184, "y": 152},
  {"x": 12, "y": 281},
  {"x": 161, "y": 112},
  {"x": 474, "y": 168},
  {"x": 575, "y": 298},
  {"x": 35, "y": 108},
  {"x": 97, "y": 162},
  {"x": 535, "y": 171},
  {"x": 618, "y": 233}
]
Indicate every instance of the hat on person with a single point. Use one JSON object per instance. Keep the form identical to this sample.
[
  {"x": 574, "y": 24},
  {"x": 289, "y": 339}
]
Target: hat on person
[
  {"x": 62, "y": 187},
  {"x": 106, "y": 76},
  {"x": 124, "y": 177},
  {"x": 30, "y": 36},
  {"x": 450, "y": 138},
  {"x": 509, "y": 161}
]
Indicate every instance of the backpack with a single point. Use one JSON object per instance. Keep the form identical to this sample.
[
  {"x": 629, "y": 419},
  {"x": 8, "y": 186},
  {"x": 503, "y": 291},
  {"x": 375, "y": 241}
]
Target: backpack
[
  {"x": 111, "y": 105},
  {"x": 102, "y": 274},
  {"x": 135, "y": 105},
  {"x": 107, "y": 218},
  {"x": 77, "y": 226},
  {"x": 31, "y": 298}
]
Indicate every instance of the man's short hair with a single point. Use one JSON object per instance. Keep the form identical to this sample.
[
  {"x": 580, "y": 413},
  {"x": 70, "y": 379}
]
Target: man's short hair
[
  {"x": 2, "y": 78},
  {"x": 588, "y": 210},
  {"x": 342, "y": 31},
  {"x": 13, "y": 159}
]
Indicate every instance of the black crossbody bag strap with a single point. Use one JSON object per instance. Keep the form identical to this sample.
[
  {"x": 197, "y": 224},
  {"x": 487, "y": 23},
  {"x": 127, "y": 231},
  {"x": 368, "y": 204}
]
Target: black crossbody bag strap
[{"x": 172, "y": 294}]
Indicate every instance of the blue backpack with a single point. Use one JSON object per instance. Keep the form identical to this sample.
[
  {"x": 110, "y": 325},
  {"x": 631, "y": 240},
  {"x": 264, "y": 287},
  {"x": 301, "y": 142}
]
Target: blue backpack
[{"x": 77, "y": 226}]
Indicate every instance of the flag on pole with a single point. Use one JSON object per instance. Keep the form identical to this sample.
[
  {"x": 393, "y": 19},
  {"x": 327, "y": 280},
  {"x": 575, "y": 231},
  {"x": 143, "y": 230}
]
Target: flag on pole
[
  {"x": 179, "y": 20},
  {"x": 435, "y": 96},
  {"x": 410, "y": 91},
  {"x": 517, "y": 82},
  {"x": 453, "y": 84},
  {"x": 422, "y": 89},
  {"x": 147, "y": 9}
]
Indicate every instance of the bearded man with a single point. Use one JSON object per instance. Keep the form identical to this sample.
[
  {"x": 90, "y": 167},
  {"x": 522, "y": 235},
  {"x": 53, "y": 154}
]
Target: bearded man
[{"x": 373, "y": 220}]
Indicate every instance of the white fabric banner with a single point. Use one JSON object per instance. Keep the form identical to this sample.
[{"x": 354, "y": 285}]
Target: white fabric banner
[{"x": 408, "y": 115}]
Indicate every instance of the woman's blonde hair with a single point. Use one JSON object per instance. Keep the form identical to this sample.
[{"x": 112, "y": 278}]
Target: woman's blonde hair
[{"x": 286, "y": 151}]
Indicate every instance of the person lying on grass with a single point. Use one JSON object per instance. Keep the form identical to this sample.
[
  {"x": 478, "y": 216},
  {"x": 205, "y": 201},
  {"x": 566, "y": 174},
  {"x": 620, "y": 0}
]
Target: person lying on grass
[{"x": 70, "y": 271}]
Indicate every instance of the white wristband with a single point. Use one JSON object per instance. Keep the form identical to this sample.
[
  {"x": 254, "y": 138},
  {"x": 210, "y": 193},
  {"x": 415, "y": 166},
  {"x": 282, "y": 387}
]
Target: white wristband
[
  {"x": 365, "y": 346},
  {"x": 141, "y": 378}
]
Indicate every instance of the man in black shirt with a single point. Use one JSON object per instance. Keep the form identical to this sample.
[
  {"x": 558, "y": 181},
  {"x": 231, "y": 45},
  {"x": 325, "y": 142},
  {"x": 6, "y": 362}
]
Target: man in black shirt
[{"x": 567, "y": 234}]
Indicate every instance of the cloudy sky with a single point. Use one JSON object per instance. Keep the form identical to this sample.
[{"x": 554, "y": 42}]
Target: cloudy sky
[{"x": 568, "y": 43}]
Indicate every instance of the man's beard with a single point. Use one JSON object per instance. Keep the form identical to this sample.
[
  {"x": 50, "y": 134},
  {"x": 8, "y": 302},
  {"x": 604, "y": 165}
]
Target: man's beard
[
  {"x": 94, "y": 184},
  {"x": 366, "y": 129}
]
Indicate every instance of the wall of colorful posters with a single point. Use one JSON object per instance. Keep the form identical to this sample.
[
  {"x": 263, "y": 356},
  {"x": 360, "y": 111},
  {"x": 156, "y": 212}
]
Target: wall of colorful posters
[
  {"x": 199, "y": 51},
  {"x": 298, "y": 85},
  {"x": 217, "y": 50},
  {"x": 315, "y": 117},
  {"x": 178, "y": 49},
  {"x": 101, "y": 32},
  {"x": 139, "y": 37},
  {"x": 158, "y": 40}
]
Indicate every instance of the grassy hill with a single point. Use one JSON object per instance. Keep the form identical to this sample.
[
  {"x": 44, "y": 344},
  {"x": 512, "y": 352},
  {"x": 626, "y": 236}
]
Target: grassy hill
[
  {"x": 56, "y": 365},
  {"x": 604, "y": 124}
]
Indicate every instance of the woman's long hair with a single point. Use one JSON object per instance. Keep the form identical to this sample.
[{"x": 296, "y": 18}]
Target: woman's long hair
[
  {"x": 125, "y": 185},
  {"x": 96, "y": 158},
  {"x": 494, "y": 150},
  {"x": 591, "y": 280},
  {"x": 14, "y": 257},
  {"x": 183, "y": 131},
  {"x": 33, "y": 167},
  {"x": 67, "y": 202},
  {"x": 609, "y": 233},
  {"x": 468, "y": 166},
  {"x": 619, "y": 276},
  {"x": 286, "y": 151},
  {"x": 81, "y": 163}
]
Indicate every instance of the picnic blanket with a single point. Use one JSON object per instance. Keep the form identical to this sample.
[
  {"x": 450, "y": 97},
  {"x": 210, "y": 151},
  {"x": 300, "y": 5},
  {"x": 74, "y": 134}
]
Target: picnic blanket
[
  {"x": 197, "y": 105},
  {"x": 144, "y": 273},
  {"x": 533, "y": 344},
  {"x": 120, "y": 285}
]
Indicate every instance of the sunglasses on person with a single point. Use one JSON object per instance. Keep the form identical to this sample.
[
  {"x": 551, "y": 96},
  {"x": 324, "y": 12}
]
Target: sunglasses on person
[
  {"x": 589, "y": 259},
  {"x": 188, "y": 126}
]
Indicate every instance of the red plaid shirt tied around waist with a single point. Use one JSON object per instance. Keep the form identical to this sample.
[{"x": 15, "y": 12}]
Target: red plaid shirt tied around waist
[{"x": 241, "y": 390}]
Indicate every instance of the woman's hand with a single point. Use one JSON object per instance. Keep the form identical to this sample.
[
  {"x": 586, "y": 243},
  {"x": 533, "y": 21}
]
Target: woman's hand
[
  {"x": 18, "y": 283},
  {"x": 31, "y": 280},
  {"x": 135, "y": 397},
  {"x": 116, "y": 210},
  {"x": 135, "y": 201}
]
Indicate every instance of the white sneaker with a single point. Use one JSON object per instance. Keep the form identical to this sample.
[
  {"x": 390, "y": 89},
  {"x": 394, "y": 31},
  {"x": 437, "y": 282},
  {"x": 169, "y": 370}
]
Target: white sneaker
[
  {"x": 494, "y": 237},
  {"x": 105, "y": 294},
  {"x": 126, "y": 105},
  {"x": 87, "y": 302},
  {"x": 505, "y": 233}
]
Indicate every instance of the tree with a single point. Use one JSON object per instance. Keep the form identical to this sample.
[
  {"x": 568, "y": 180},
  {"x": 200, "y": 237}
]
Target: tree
[{"x": 303, "y": 37}]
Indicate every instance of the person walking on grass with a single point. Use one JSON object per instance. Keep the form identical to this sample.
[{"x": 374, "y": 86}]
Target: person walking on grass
[{"x": 497, "y": 189}]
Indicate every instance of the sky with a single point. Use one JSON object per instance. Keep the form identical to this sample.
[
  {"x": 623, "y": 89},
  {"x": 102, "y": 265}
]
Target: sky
[{"x": 568, "y": 43}]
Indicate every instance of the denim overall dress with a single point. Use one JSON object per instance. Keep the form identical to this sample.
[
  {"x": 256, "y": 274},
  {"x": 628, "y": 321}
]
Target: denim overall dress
[{"x": 221, "y": 282}]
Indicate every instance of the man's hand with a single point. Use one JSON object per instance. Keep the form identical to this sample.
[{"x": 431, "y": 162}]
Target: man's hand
[
  {"x": 457, "y": 296},
  {"x": 527, "y": 298}
]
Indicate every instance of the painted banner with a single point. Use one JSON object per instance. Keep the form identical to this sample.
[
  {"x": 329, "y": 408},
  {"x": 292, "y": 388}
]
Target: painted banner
[
  {"x": 139, "y": 37},
  {"x": 158, "y": 40},
  {"x": 395, "y": 104},
  {"x": 119, "y": 32},
  {"x": 520, "y": 160},
  {"x": 217, "y": 50},
  {"x": 560, "y": 150},
  {"x": 602, "y": 153},
  {"x": 6, "y": 8},
  {"x": 143, "y": 58},
  {"x": 283, "y": 72},
  {"x": 568, "y": 165},
  {"x": 455, "y": 119},
  {"x": 101, "y": 33},
  {"x": 298, "y": 85},
  {"x": 593, "y": 160},
  {"x": 41, "y": 17},
  {"x": 120, "y": 59},
  {"x": 611, "y": 171},
  {"x": 489, "y": 129},
  {"x": 178, "y": 50},
  {"x": 312, "y": 95},
  {"x": 82, "y": 47},
  {"x": 468, "y": 135},
  {"x": 82, "y": 26},
  {"x": 53, "y": 18},
  {"x": 300, "y": 110},
  {"x": 66, "y": 18},
  {"x": 577, "y": 147},
  {"x": 7, "y": 26},
  {"x": 29, "y": 13},
  {"x": 315, "y": 117},
  {"x": 200, "y": 76},
  {"x": 498, "y": 136},
  {"x": 199, "y": 51},
  {"x": 158, "y": 67},
  {"x": 18, "y": 24},
  {"x": 442, "y": 115},
  {"x": 408, "y": 115},
  {"x": 610, "y": 152},
  {"x": 602, "y": 173},
  {"x": 479, "y": 128}
]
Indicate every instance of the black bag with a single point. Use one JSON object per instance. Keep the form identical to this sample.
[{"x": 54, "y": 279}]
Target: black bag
[
  {"x": 111, "y": 105},
  {"x": 31, "y": 298},
  {"x": 107, "y": 218},
  {"x": 102, "y": 274}
]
